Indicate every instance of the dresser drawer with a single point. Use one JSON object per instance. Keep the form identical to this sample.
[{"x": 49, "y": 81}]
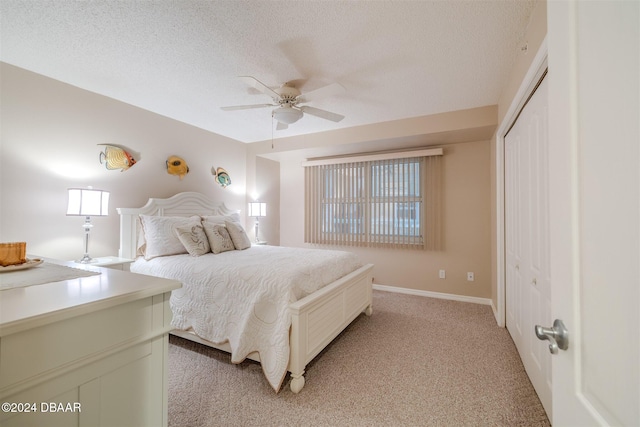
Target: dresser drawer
[{"x": 64, "y": 344}]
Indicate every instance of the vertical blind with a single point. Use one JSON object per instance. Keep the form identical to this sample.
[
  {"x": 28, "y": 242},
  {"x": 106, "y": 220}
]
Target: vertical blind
[{"x": 393, "y": 202}]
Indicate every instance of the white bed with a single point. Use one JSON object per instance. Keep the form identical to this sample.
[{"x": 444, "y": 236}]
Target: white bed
[{"x": 315, "y": 319}]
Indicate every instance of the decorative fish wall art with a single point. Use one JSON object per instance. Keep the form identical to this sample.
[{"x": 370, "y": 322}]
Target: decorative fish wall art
[
  {"x": 177, "y": 166},
  {"x": 221, "y": 176},
  {"x": 116, "y": 157}
]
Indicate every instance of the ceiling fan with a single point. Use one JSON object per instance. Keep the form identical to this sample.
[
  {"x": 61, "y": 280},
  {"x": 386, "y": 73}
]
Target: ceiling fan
[{"x": 287, "y": 98}]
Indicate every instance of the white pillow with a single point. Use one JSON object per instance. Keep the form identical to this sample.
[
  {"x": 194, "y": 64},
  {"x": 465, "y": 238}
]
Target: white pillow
[
  {"x": 240, "y": 239},
  {"x": 194, "y": 239},
  {"x": 220, "y": 219},
  {"x": 141, "y": 243},
  {"x": 160, "y": 235},
  {"x": 219, "y": 238}
]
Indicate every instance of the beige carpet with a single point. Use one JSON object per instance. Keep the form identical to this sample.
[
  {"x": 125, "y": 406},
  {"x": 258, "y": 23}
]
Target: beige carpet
[{"x": 416, "y": 362}]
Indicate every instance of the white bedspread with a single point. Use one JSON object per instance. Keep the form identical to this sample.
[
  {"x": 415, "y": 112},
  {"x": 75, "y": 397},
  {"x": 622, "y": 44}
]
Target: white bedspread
[{"x": 243, "y": 296}]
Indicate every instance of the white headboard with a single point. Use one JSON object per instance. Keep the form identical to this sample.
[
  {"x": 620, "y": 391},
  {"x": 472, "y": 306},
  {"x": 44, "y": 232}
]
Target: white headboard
[{"x": 182, "y": 204}]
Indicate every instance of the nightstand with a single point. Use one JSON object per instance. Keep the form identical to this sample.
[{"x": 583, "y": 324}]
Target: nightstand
[{"x": 112, "y": 262}]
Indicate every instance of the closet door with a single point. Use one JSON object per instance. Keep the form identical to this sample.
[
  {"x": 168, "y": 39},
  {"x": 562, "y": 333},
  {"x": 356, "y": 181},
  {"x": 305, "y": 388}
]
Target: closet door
[
  {"x": 528, "y": 293},
  {"x": 513, "y": 233}
]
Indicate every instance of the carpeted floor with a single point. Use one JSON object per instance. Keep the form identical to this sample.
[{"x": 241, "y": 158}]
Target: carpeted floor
[{"x": 416, "y": 362}]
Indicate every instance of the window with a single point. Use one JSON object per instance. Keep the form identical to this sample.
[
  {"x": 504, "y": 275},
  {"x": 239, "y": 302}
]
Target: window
[{"x": 386, "y": 203}]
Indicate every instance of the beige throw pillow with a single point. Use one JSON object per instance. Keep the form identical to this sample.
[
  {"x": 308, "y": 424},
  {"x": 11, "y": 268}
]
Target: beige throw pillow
[
  {"x": 194, "y": 239},
  {"x": 239, "y": 237},
  {"x": 219, "y": 238}
]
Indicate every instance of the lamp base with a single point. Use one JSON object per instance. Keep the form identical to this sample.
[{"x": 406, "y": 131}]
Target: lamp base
[{"x": 86, "y": 259}]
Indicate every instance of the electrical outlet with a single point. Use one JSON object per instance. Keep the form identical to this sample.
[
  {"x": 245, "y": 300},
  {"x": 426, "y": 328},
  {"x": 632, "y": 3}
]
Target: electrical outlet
[
  {"x": 442, "y": 274},
  {"x": 470, "y": 276}
]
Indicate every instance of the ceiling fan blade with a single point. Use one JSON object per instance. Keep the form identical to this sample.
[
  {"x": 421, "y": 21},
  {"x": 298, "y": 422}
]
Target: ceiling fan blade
[
  {"x": 282, "y": 126},
  {"x": 321, "y": 113},
  {"x": 323, "y": 92},
  {"x": 245, "y": 107},
  {"x": 257, "y": 84}
]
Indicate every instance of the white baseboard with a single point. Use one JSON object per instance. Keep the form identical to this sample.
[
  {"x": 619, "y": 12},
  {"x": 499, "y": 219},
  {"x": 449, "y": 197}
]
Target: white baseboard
[{"x": 453, "y": 297}]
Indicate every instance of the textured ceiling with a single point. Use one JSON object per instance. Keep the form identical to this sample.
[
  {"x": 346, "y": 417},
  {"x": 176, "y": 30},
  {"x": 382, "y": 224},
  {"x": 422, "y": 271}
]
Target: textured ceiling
[{"x": 181, "y": 59}]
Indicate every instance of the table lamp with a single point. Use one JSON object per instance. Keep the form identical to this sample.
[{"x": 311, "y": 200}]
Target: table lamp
[
  {"x": 257, "y": 210},
  {"x": 87, "y": 202}
]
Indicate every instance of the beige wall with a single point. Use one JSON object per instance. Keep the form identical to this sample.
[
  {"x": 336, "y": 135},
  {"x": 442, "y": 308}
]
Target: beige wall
[
  {"x": 48, "y": 143},
  {"x": 267, "y": 189},
  {"x": 535, "y": 35}
]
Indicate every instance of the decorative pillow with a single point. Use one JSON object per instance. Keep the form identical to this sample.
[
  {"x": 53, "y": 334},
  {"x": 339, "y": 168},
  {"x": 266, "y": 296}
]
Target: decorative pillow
[
  {"x": 219, "y": 238},
  {"x": 240, "y": 239},
  {"x": 220, "y": 219},
  {"x": 160, "y": 236},
  {"x": 194, "y": 239},
  {"x": 141, "y": 246}
]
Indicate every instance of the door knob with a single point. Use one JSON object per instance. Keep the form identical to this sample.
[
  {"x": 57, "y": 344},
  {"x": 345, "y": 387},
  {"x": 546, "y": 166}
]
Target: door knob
[{"x": 558, "y": 336}]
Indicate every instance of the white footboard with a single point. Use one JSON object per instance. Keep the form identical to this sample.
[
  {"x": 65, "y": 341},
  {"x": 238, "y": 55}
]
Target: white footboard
[{"x": 317, "y": 319}]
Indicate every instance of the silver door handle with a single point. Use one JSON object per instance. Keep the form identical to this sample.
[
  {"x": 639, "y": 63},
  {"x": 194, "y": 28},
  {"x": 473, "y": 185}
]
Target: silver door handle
[{"x": 558, "y": 336}]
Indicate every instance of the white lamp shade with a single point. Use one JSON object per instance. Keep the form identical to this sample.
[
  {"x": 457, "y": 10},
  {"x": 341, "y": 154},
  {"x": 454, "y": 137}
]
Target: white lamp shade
[
  {"x": 88, "y": 202},
  {"x": 257, "y": 209}
]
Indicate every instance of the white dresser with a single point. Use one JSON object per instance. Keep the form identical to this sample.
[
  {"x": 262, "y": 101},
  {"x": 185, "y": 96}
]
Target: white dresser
[{"x": 90, "y": 351}]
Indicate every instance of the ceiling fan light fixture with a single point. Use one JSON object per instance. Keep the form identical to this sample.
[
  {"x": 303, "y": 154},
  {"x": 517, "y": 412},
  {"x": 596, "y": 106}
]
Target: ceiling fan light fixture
[{"x": 287, "y": 115}]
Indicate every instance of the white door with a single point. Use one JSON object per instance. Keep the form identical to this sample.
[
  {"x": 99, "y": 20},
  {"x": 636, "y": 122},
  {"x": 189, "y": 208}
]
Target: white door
[
  {"x": 528, "y": 293},
  {"x": 594, "y": 139}
]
